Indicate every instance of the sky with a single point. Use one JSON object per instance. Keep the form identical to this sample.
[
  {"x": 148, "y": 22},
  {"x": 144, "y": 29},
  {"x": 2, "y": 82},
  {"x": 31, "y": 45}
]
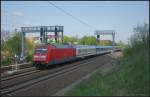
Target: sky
[{"x": 121, "y": 16}]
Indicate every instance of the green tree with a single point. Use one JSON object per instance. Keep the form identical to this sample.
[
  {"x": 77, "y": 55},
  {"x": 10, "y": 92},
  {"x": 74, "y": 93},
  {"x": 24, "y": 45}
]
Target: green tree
[
  {"x": 141, "y": 34},
  {"x": 14, "y": 44},
  {"x": 88, "y": 40},
  {"x": 71, "y": 40},
  {"x": 29, "y": 45},
  {"x": 140, "y": 39},
  {"x": 10, "y": 47},
  {"x": 83, "y": 40},
  {"x": 3, "y": 45},
  {"x": 66, "y": 39}
]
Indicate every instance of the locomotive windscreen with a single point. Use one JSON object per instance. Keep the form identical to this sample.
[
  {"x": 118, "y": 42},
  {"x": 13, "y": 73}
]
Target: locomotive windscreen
[{"x": 40, "y": 50}]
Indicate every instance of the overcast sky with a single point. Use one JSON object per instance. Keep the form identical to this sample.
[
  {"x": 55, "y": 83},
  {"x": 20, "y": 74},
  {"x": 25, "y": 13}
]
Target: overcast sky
[{"x": 120, "y": 16}]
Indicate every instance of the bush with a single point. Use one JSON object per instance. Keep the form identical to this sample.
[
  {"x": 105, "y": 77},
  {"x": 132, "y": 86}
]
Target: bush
[
  {"x": 13, "y": 46},
  {"x": 29, "y": 55},
  {"x": 7, "y": 61}
]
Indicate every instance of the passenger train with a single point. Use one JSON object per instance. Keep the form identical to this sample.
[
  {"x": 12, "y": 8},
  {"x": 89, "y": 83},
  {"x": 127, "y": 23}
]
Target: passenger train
[{"x": 46, "y": 55}]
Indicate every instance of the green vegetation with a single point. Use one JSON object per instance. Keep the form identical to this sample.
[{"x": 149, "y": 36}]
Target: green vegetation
[
  {"x": 9, "y": 48},
  {"x": 130, "y": 78},
  {"x": 104, "y": 43},
  {"x": 70, "y": 40},
  {"x": 12, "y": 47},
  {"x": 122, "y": 45},
  {"x": 88, "y": 40},
  {"x": 29, "y": 49}
]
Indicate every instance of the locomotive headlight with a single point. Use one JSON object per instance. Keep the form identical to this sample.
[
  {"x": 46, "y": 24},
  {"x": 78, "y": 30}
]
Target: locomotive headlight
[
  {"x": 36, "y": 56},
  {"x": 43, "y": 57},
  {"x": 39, "y": 57}
]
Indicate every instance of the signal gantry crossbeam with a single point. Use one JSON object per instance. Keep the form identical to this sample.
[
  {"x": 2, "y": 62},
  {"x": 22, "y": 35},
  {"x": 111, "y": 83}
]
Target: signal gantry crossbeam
[
  {"x": 106, "y": 32},
  {"x": 43, "y": 30}
]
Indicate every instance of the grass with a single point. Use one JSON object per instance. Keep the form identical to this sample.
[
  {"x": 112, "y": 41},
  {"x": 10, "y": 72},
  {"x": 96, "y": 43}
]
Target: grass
[{"x": 131, "y": 78}]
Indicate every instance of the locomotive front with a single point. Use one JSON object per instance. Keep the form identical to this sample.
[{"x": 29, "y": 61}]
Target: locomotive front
[{"x": 40, "y": 56}]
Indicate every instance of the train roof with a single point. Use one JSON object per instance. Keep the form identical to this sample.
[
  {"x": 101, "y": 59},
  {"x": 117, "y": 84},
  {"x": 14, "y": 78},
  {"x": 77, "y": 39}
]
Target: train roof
[
  {"x": 72, "y": 46},
  {"x": 62, "y": 46},
  {"x": 45, "y": 46}
]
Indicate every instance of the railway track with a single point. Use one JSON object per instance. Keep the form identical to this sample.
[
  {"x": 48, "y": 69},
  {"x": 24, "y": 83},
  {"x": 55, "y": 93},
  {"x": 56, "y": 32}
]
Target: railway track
[
  {"x": 43, "y": 75},
  {"x": 14, "y": 84},
  {"x": 11, "y": 72},
  {"x": 19, "y": 83},
  {"x": 21, "y": 72},
  {"x": 19, "y": 75},
  {"x": 20, "y": 66},
  {"x": 52, "y": 86}
]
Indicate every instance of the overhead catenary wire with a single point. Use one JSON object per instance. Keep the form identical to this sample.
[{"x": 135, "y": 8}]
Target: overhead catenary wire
[{"x": 67, "y": 13}]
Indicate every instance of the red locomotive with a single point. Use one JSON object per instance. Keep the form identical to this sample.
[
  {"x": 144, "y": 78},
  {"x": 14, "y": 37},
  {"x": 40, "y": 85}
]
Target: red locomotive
[
  {"x": 49, "y": 54},
  {"x": 53, "y": 54}
]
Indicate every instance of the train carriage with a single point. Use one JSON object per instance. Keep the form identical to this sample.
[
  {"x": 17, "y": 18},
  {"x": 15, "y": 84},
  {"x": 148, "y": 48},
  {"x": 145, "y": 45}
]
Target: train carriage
[{"x": 82, "y": 51}]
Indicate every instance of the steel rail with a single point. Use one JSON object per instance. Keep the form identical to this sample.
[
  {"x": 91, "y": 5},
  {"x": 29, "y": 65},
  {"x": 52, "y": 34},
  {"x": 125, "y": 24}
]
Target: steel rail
[{"x": 30, "y": 82}]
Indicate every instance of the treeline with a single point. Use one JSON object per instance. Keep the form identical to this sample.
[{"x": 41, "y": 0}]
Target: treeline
[{"x": 86, "y": 40}]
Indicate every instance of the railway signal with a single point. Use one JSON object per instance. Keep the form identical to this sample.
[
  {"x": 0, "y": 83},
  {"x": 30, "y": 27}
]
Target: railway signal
[
  {"x": 106, "y": 32},
  {"x": 98, "y": 37}
]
